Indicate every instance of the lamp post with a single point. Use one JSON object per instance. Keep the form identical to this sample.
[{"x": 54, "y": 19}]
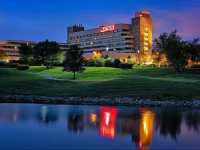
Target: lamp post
[{"x": 107, "y": 50}]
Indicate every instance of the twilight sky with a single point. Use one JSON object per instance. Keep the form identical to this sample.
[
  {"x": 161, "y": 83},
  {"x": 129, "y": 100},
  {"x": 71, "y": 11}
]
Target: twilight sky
[{"x": 48, "y": 19}]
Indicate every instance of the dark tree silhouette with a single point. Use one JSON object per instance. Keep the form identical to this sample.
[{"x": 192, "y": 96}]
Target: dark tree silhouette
[
  {"x": 76, "y": 122},
  {"x": 194, "y": 50},
  {"x": 192, "y": 120},
  {"x": 46, "y": 53},
  {"x": 26, "y": 52},
  {"x": 73, "y": 60},
  {"x": 169, "y": 123},
  {"x": 175, "y": 49}
]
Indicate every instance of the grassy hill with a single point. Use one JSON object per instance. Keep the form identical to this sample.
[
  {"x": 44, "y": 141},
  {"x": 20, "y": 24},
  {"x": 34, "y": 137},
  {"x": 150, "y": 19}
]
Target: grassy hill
[{"x": 158, "y": 83}]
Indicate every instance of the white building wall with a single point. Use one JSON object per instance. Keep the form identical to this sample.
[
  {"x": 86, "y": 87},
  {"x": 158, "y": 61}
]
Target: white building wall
[{"x": 120, "y": 38}]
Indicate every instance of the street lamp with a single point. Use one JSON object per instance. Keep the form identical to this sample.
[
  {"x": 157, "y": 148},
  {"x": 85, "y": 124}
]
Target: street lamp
[{"x": 107, "y": 49}]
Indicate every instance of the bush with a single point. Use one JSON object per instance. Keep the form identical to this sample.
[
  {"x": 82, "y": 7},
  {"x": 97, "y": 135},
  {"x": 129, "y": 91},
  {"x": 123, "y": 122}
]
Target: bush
[
  {"x": 3, "y": 64},
  {"x": 116, "y": 63},
  {"x": 99, "y": 63},
  {"x": 109, "y": 63},
  {"x": 93, "y": 63},
  {"x": 151, "y": 66},
  {"x": 126, "y": 66},
  {"x": 12, "y": 65},
  {"x": 196, "y": 66},
  {"x": 22, "y": 67},
  {"x": 90, "y": 63}
]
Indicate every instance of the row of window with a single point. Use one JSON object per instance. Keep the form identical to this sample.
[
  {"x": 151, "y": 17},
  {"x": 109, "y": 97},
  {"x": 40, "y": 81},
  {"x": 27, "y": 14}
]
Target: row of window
[
  {"x": 9, "y": 47},
  {"x": 100, "y": 34},
  {"x": 105, "y": 49}
]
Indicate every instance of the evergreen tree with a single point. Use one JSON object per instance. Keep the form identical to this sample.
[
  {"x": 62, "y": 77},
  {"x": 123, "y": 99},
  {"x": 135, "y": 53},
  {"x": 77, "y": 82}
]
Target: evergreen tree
[{"x": 73, "y": 60}]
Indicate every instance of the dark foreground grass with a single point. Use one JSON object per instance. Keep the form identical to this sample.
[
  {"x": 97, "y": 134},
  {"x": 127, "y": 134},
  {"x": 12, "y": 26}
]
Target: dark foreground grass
[{"x": 104, "y": 82}]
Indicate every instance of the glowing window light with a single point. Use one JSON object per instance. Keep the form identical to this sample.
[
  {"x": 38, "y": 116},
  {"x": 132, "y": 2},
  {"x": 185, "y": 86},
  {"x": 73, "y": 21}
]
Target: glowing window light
[{"x": 146, "y": 48}]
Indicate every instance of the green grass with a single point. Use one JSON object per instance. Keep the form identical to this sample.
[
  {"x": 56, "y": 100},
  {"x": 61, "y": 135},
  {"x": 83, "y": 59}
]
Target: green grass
[{"x": 158, "y": 83}]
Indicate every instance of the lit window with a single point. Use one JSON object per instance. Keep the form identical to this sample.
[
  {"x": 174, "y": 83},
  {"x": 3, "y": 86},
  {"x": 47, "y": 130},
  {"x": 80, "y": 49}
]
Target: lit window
[
  {"x": 146, "y": 48},
  {"x": 146, "y": 29}
]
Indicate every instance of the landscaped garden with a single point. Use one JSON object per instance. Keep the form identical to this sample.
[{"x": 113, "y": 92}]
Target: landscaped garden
[{"x": 140, "y": 82}]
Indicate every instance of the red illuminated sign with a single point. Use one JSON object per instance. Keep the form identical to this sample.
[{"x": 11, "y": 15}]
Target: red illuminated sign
[
  {"x": 108, "y": 28},
  {"x": 108, "y": 118}
]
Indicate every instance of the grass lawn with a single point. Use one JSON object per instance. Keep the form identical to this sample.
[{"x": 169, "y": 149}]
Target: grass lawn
[{"x": 158, "y": 83}]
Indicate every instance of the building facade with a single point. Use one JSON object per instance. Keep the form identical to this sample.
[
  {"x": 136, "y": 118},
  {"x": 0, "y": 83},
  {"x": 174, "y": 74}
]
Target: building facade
[
  {"x": 134, "y": 38},
  {"x": 142, "y": 26},
  {"x": 117, "y": 37},
  {"x": 10, "y": 48}
]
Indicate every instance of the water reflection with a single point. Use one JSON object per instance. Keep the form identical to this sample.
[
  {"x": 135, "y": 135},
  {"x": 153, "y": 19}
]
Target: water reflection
[
  {"x": 146, "y": 128},
  {"x": 169, "y": 123},
  {"x": 140, "y": 125},
  {"x": 76, "y": 121},
  {"x": 108, "y": 118},
  {"x": 192, "y": 119},
  {"x": 47, "y": 115}
]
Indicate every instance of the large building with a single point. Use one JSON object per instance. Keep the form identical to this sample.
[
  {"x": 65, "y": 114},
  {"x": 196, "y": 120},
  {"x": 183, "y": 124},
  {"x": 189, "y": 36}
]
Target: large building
[
  {"x": 117, "y": 37},
  {"x": 143, "y": 33},
  {"x": 10, "y": 49},
  {"x": 134, "y": 39}
]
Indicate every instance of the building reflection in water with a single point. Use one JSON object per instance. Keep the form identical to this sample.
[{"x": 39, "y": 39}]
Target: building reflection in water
[
  {"x": 93, "y": 118},
  {"x": 76, "y": 121},
  {"x": 109, "y": 122},
  {"x": 47, "y": 115},
  {"x": 146, "y": 128},
  {"x": 108, "y": 118}
]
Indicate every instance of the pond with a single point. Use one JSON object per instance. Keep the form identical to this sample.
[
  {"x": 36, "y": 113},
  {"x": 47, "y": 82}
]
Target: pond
[{"x": 59, "y": 127}]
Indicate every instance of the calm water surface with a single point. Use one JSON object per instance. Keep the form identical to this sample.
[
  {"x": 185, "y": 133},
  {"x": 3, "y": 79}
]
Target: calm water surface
[{"x": 56, "y": 127}]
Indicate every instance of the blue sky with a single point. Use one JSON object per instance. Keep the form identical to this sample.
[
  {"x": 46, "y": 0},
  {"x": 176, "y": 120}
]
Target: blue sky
[{"x": 48, "y": 19}]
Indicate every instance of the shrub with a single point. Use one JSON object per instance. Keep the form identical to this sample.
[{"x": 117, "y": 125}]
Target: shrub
[
  {"x": 3, "y": 64},
  {"x": 109, "y": 63},
  {"x": 116, "y": 63},
  {"x": 126, "y": 66},
  {"x": 12, "y": 65},
  {"x": 22, "y": 67},
  {"x": 99, "y": 63},
  {"x": 90, "y": 63},
  {"x": 93, "y": 63},
  {"x": 196, "y": 66},
  {"x": 151, "y": 66}
]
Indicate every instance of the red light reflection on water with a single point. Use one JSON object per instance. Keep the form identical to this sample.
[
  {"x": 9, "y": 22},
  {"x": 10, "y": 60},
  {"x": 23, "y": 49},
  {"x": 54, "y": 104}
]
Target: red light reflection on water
[{"x": 108, "y": 118}]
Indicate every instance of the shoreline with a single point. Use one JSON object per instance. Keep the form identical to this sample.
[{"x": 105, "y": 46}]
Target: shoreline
[{"x": 113, "y": 101}]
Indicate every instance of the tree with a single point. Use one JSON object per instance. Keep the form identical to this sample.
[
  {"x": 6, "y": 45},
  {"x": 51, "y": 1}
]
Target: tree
[
  {"x": 73, "y": 60},
  {"x": 46, "y": 53},
  {"x": 26, "y": 52},
  {"x": 175, "y": 49},
  {"x": 194, "y": 50}
]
